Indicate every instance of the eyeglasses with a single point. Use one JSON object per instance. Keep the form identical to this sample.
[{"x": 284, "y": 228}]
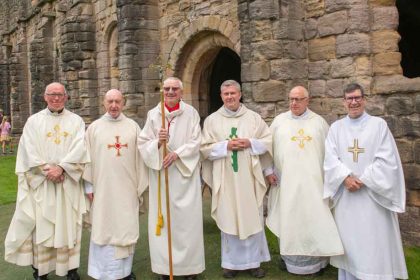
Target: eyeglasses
[
  {"x": 171, "y": 88},
  {"x": 297, "y": 100},
  {"x": 54, "y": 95},
  {"x": 355, "y": 98}
]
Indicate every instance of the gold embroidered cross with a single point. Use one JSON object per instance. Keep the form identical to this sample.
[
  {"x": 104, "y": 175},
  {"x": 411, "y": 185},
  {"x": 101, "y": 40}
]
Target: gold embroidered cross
[
  {"x": 57, "y": 134},
  {"x": 301, "y": 138},
  {"x": 117, "y": 145},
  {"x": 356, "y": 150}
]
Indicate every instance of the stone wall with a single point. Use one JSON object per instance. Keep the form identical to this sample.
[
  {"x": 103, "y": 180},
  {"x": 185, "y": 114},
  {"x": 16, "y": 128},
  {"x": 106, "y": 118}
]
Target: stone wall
[{"x": 94, "y": 45}]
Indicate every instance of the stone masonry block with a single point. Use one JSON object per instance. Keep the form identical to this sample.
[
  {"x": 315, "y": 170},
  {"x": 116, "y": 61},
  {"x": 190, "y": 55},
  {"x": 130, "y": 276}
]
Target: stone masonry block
[
  {"x": 263, "y": 9},
  {"x": 331, "y": 24},
  {"x": 359, "y": 18},
  {"x": 252, "y": 72},
  {"x": 322, "y": 49},
  {"x": 399, "y": 105},
  {"x": 334, "y": 87},
  {"x": 412, "y": 176},
  {"x": 285, "y": 69},
  {"x": 395, "y": 83},
  {"x": 417, "y": 151},
  {"x": 337, "y": 5},
  {"x": 382, "y": 2},
  {"x": 319, "y": 70},
  {"x": 363, "y": 66},
  {"x": 342, "y": 68},
  {"x": 385, "y": 41},
  {"x": 405, "y": 149},
  {"x": 311, "y": 28},
  {"x": 295, "y": 49},
  {"x": 410, "y": 125},
  {"x": 385, "y": 18},
  {"x": 353, "y": 44},
  {"x": 387, "y": 63},
  {"x": 317, "y": 88},
  {"x": 314, "y": 8},
  {"x": 268, "y": 91}
]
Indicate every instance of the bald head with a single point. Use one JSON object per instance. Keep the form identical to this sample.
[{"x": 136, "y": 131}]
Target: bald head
[
  {"x": 300, "y": 90},
  {"x": 298, "y": 100},
  {"x": 56, "y": 96},
  {"x": 114, "y": 102}
]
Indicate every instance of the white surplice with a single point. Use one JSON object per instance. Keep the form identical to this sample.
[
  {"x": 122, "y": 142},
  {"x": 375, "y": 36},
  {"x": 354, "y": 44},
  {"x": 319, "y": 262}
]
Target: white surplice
[
  {"x": 297, "y": 212},
  {"x": 184, "y": 190},
  {"x": 366, "y": 219}
]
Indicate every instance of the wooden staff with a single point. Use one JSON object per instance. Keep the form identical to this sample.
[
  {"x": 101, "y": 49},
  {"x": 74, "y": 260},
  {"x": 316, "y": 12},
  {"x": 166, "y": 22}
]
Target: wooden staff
[{"x": 168, "y": 211}]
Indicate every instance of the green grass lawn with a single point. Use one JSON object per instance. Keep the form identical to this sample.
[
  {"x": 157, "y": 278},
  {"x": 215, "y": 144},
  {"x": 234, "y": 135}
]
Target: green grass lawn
[{"x": 141, "y": 266}]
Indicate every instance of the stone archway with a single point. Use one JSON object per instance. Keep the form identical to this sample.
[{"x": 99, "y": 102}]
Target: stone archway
[{"x": 195, "y": 68}]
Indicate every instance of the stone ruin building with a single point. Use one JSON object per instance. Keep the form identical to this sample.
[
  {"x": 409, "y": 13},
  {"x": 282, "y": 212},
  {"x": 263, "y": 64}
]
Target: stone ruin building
[{"x": 267, "y": 45}]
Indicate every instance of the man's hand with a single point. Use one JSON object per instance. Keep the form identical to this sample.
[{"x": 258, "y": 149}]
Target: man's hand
[
  {"x": 169, "y": 159},
  {"x": 238, "y": 144},
  {"x": 54, "y": 173},
  {"x": 163, "y": 136},
  {"x": 90, "y": 197},
  {"x": 272, "y": 179},
  {"x": 352, "y": 183}
]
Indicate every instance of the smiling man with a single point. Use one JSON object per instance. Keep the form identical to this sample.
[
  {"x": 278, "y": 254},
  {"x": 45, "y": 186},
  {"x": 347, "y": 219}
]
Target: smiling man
[
  {"x": 46, "y": 228},
  {"x": 182, "y": 135},
  {"x": 234, "y": 140},
  {"x": 114, "y": 180},
  {"x": 298, "y": 215},
  {"x": 365, "y": 183}
]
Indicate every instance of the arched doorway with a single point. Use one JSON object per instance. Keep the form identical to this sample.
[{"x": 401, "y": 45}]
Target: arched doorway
[{"x": 226, "y": 66}]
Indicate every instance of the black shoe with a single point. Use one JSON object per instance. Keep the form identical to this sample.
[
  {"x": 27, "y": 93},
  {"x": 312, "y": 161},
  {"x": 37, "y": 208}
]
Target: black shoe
[
  {"x": 282, "y": 265},
  {"x": 229, "y": 273},
  {"x": 190, "y": 277},
  {"x": 132, "y": 276},
  {"x": 257, "y": 272},
  {"x": 73, "y": 275},
  {"x": 37, "y": 277},
  {"x": 317, "y": 274},
  {"x": 163, "y": 277}
]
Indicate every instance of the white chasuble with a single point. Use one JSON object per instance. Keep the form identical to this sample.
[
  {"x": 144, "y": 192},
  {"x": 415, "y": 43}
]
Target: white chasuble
[
  {"x": 119, "y": 177},
  {"x": 367, "y": 218},
  {"x": 237, "y": 180},
  {"x": 184, "y": 190},
  {"x": 297, "y": 212},
  {"x": 48, "y": 215}
]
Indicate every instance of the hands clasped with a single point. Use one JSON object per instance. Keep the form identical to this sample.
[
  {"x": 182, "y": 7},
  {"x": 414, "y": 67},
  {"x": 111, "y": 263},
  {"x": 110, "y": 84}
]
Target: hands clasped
[
  {"x": 352, "y": 183},
  {"x": 238, "y": 144},
  {"x": 54, "y": 173}
]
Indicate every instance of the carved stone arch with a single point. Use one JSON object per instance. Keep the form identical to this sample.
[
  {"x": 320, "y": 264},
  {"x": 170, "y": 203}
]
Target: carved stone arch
[
  {"x": 194, "y": 53},
  {"x": 107, "y": 61}
]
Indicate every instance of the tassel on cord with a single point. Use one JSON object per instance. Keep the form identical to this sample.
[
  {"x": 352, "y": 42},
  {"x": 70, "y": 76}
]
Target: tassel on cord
[{"x": 159, "y": 224}]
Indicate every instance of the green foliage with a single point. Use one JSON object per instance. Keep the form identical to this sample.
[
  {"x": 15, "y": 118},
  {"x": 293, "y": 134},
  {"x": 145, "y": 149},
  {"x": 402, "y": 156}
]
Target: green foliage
[{"x": 8, "y": 179}]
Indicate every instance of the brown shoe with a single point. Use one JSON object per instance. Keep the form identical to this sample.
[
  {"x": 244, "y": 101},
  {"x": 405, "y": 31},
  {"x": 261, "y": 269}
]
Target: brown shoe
[
  {"x": 229, "y": 273},
  {"x": 257, "y": 272}
]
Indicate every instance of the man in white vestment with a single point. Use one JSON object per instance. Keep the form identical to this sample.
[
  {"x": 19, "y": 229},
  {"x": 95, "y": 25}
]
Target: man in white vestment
[
  {"x": 297, "y": 213},
  {"x": 182, "y": 135},
  {"x": 234, "y": 140},
  {"x": 46, "y": 228},
  {"x": 365, "y": 182},
  {"x": 114, "y": 181}
]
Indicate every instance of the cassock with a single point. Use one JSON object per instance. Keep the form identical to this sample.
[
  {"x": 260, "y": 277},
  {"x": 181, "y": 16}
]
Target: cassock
[
  {"x": 118, "y": 177},
  {"x": 184, "y": 190},
  {"x": 47, "y": 224},
  {"x": 297, "y": 213},
  {"x": 237, "y": 184},
  {"x": 367, "y": 218}
]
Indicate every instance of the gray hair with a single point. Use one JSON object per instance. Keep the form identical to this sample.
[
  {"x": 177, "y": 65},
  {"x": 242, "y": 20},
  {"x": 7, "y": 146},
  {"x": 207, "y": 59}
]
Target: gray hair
[
  {"x": 353, "y": 87},
  {"x": 181, "y": 86},
  {"x": 229, "y": 83},
  {"x": 301, "y": 88}
]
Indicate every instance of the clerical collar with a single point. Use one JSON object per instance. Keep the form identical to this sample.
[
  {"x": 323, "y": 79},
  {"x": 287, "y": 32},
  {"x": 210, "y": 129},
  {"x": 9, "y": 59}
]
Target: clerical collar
[
  {"x": 359, "y": 119},
  {"x": 110, "y": 118},
  {"x": 59, "y": 112},
  {"x": 230, "y": 112},
  {"x": 303, "y": 116},
  {"x": 171, "y": 109}
]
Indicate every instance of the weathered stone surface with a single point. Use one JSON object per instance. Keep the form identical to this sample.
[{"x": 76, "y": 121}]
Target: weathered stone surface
[
  {"x": 394, "y": 84},
  {"x": 387, "y": 63},
  {"x": 405, "y": 149},
  {"x": 382, "y": 2},
  {"x": 337, "y": 5},
  {"x": 262, "y": 9},
  {"x": 319, "y": 70},
  {"x": 288, "y": 29},
  {"x": 359, "y": 18},
  {"x": 342, "y": 68},
  {"x": 412, "y": 176},
  {"x": 385, "y": 41},
  {"x": 376, "y": 105},
  {"x": 311, "y": 28},
  {"x": 266, "y": 50},
  {"x": 295, "y": 49},
  {"x": 410, "y": 126},
  {"x": 283, "y": 69},
  {"x": 399, "y": 105},
  {"x": 353, "y": 44},
  {"x": 320, "y": 106},
  {"x": 335, "y": 87},
  {"x": 385, "y": 18},
  {"x": 363, "y": 66},
  {"x": 418, "y": 103},
  {"x": 409, "y": 225},
  {"x": 322, "y": 49},
  {"x": 255, "y": 71},
  {"x": 331, "y": 24},
  {"x": 317, "y": 88},
  {"x": 417, "y": 151},
  {"x": 268, "y": 91},
  {"x": 314, "y": 8}
]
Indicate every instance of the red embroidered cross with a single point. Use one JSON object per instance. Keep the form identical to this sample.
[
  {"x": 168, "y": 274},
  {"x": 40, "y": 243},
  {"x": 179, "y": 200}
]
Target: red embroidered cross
[{"x": 117, "y": 145}]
